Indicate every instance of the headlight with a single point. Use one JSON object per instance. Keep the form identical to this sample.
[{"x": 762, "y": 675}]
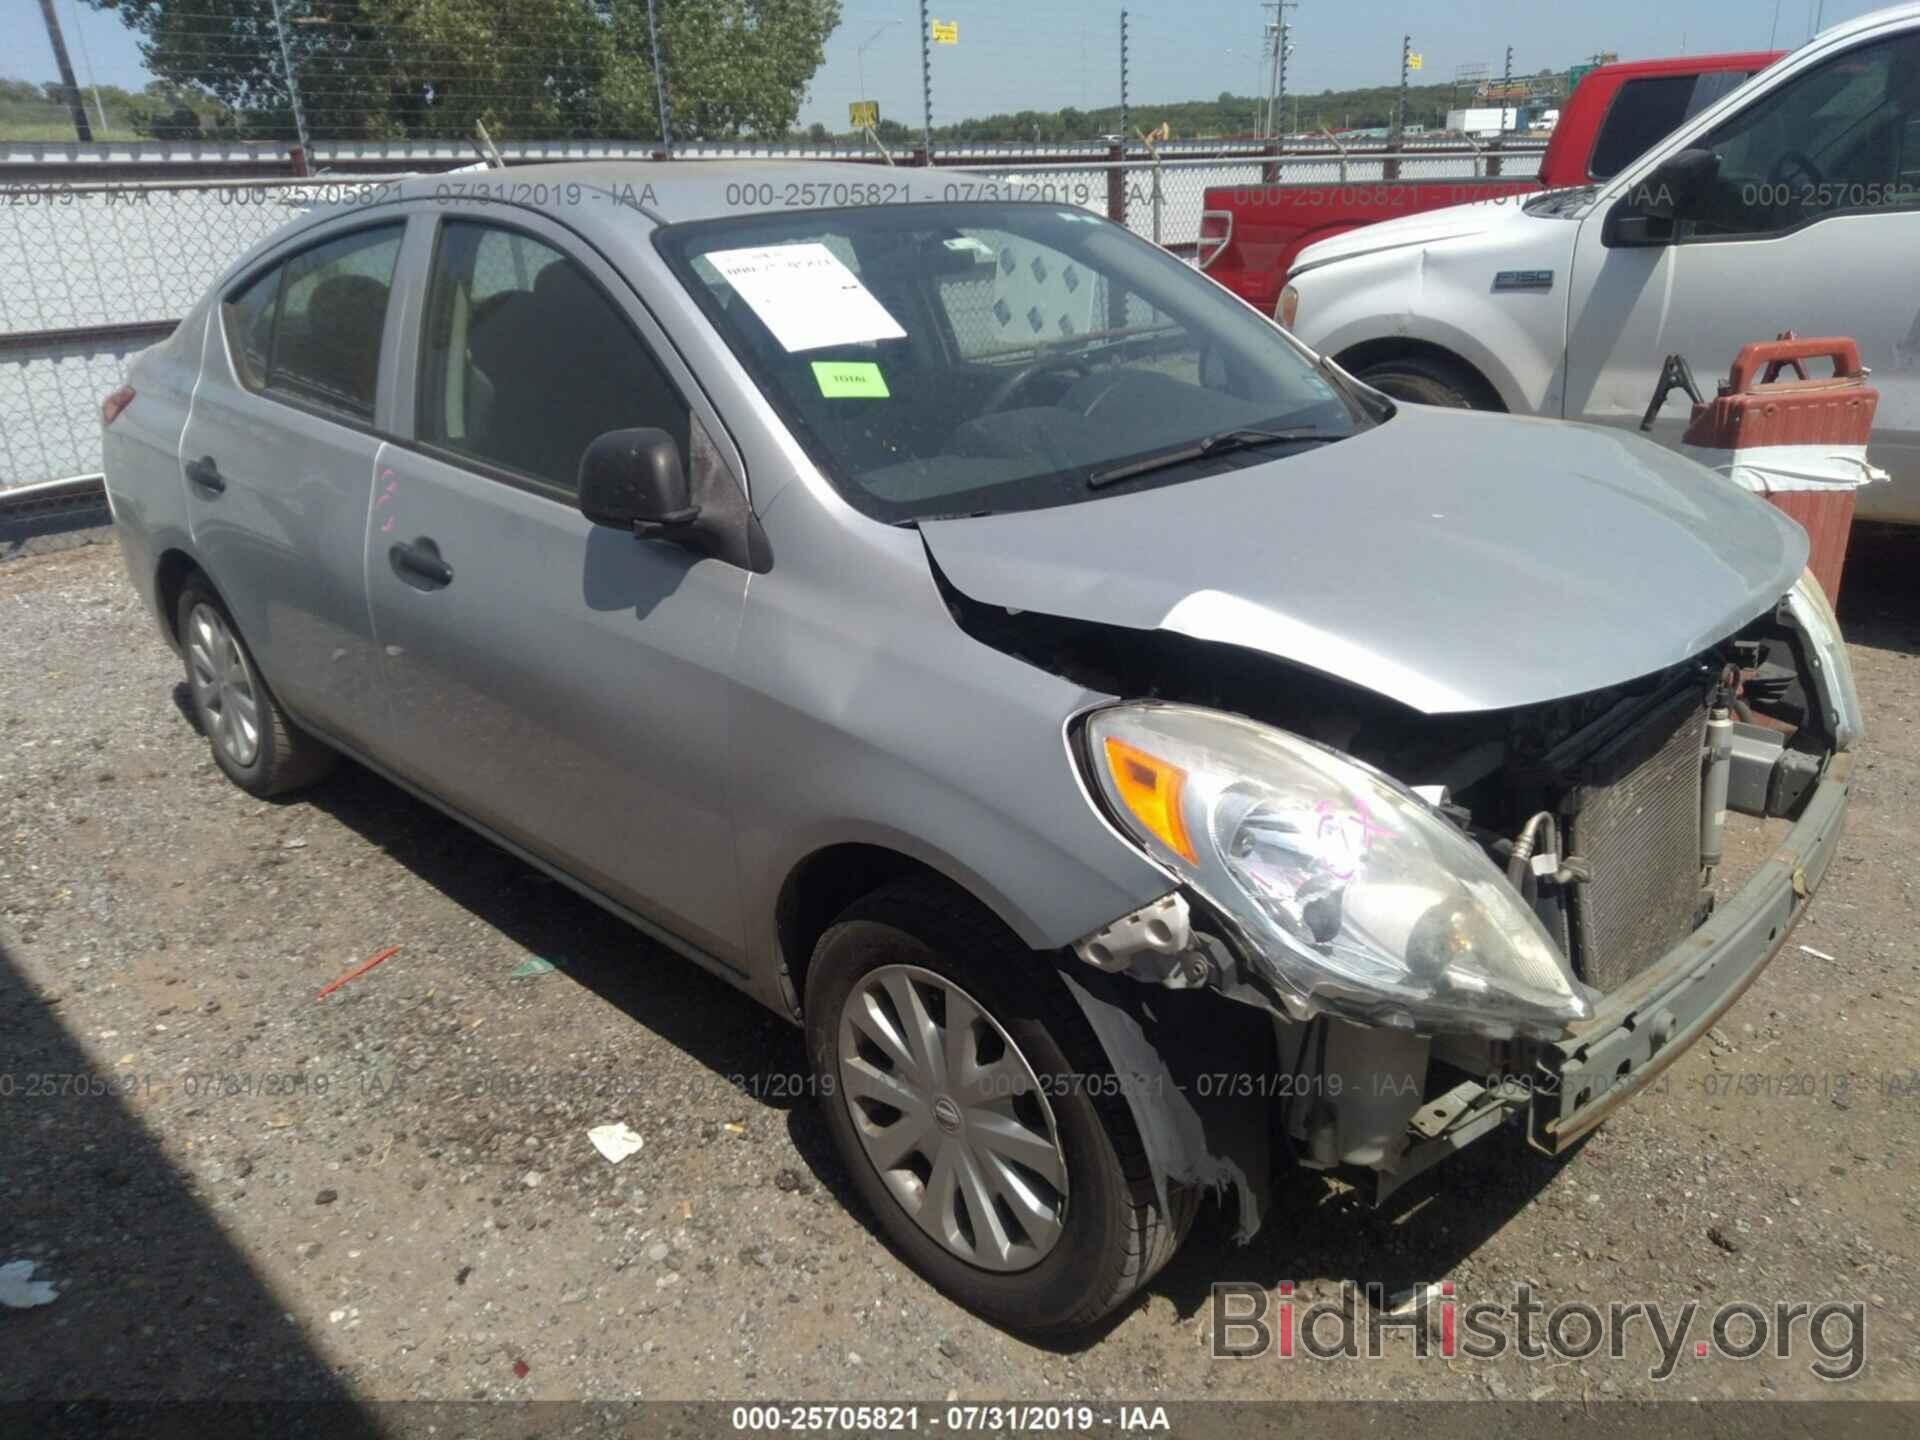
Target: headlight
[
  {"x": 1809, "y": 611},
  {"x": 1289, "y": 307},
  {"x": 1357, "y": 896}
]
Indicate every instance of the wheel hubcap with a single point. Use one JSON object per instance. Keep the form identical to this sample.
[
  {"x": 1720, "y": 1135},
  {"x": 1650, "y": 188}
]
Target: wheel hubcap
[
  {"x": 953, "y": 1118},
  {"x": 222, "y": 686}
]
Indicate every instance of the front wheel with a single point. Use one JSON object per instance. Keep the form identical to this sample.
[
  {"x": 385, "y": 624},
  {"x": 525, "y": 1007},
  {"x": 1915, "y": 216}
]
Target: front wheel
[
  {"x": 1423, "y": 381},
  {"x": 979, "y": 1120}
]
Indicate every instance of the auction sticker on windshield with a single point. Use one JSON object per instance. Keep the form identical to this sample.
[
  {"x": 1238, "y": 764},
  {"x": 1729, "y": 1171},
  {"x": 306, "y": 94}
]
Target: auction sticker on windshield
[
  {"x": 806, "y": 296},
  {"x": 850, "y": 380}
]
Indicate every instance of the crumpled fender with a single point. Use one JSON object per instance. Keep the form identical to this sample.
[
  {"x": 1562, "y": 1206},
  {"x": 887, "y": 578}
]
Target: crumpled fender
[{"x": 1195, "y": 1131}]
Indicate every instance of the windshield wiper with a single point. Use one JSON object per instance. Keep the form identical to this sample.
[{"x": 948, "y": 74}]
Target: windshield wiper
[{"x": 1216, "y": 444}]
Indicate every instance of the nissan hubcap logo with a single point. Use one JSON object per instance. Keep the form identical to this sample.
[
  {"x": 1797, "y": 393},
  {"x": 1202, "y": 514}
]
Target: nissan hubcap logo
[{"x": 946, "y": 1115}]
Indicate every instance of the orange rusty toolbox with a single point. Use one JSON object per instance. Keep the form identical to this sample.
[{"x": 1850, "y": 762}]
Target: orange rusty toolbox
[{"x": 1800, "y": 442}]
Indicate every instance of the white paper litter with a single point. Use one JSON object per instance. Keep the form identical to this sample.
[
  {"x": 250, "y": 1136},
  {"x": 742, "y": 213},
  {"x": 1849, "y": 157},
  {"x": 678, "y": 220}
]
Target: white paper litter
[
  {"x": 806, "y": 296},
  {"x": 1816, "y": 954},
  {"x": 19, "y": 1290},
  {"x": 616, "y": 1142}
]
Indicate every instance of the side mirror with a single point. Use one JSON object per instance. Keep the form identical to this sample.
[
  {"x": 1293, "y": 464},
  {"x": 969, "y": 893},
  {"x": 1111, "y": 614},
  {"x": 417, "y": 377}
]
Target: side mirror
[
  {"x": 633, "y": 480},
  {"x": 1675, "y": 191}
]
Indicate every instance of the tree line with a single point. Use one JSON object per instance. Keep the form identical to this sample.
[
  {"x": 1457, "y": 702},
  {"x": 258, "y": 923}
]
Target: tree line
[
  {"x": 577, "y": 69},
  {"x": 527, "y": 69}
]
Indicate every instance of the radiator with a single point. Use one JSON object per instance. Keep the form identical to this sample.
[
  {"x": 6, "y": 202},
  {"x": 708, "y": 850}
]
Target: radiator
[{"x": 1638, "y": 826}]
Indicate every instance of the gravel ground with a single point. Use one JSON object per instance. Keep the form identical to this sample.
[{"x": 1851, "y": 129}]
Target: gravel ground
[{"x": 390, "y": 1193}]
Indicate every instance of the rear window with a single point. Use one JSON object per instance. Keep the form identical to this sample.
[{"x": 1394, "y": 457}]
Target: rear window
[{"x": 1646, "y": 111}]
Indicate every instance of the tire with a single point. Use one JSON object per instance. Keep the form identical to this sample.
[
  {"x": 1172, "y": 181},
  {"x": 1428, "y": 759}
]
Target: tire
[
  {"x": 1421, "y": 381},
  {"x": 1111, "y": 1237},
  {"x": 252, "y": 740}
]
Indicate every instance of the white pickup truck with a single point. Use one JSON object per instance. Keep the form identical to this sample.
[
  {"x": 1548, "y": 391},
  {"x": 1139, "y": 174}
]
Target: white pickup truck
[{"x": 1793, "y": 203}]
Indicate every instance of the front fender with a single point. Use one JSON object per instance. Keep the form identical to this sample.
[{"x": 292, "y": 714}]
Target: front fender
[
  {"x": 1442, "y": 296},
  {"x": 864, "y": 714}
]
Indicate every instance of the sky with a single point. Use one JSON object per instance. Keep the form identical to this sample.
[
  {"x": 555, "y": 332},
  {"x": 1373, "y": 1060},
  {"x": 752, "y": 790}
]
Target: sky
[{"x": 1026, "y": 54}]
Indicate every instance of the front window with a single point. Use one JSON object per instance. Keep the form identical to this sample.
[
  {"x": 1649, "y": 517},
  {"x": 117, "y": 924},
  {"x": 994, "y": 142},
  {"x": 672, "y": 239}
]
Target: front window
[
  {"x": 525, "y": 361},
  {"x": 1842, "y": 138},
  {"x": 959, "y": 359}
]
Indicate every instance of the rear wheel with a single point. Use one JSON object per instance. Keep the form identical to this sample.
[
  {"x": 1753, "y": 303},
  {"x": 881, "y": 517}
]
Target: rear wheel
[
  {"x": 1420, "y": 380},
  {"x": 252, "y": 739},
  {"x": 977, "y": 1115}
]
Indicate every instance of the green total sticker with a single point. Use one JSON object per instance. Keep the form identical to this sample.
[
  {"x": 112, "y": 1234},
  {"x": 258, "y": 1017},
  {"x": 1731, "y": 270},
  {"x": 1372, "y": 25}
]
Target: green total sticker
[{"x": 850, "y": 379}]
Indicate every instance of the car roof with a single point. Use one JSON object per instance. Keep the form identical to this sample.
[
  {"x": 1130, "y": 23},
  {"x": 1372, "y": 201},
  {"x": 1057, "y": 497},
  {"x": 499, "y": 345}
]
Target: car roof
[
  {"x": 1692, "y": 64},
  {"x": 671, "y": 191}
]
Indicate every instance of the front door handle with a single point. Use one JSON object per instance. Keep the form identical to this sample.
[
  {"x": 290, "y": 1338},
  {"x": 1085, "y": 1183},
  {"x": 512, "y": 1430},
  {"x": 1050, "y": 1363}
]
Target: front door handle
[
  {"x": 419, "y": 564},
  {"x": 205, "y": 472}
]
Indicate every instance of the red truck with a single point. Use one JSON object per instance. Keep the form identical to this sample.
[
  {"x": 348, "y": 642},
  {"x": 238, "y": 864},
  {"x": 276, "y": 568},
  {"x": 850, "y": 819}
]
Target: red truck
[{"x": 1250, "y": 234}]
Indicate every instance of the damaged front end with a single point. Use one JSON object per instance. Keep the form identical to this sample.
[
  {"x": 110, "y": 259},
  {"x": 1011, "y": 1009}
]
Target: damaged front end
[{"x": 1451, "y": 922}]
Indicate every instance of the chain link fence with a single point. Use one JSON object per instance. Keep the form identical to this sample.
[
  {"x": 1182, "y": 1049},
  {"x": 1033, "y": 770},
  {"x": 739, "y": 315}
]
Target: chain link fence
[
  {"x": 92, "y": 274},
  {"x": 1161, "y": 200}
]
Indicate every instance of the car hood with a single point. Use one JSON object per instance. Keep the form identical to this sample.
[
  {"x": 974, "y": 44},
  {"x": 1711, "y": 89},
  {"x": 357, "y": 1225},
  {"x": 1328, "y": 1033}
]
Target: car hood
[
  {"x": 1451, "y": 560},
  {"x": 1454, "y": 222}
]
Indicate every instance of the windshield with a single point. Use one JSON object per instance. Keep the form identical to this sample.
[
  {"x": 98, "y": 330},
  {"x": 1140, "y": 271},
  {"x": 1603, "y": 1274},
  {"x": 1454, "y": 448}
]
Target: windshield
[{"x": 959, "y": 359}]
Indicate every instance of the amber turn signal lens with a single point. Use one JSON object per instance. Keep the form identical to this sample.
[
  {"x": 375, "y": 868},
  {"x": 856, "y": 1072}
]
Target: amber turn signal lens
[
  {"x": 1289, "y": 307},
  {"x": 1150, "y": 788}
]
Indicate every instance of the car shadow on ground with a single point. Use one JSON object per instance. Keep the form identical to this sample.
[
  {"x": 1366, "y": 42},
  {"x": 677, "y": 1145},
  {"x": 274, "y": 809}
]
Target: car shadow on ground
[
  {"x": 1880, "y": 588},
  {"x": 1316, "y": 1229},
  {"x": 153, "y": 1302},
  {"x": 717, "y": 1025}
]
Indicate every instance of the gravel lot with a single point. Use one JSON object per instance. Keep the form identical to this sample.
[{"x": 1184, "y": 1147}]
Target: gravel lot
[{"x": 390, "y": 1193}]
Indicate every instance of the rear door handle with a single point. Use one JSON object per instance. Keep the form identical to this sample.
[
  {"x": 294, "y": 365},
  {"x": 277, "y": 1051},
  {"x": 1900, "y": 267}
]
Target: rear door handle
[
  {"x": 205, "y": 472},
  {"x": 419, "y": 564}
]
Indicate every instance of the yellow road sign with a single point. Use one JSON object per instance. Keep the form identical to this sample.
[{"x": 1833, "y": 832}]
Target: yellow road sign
[
  {"x": 946, "y": 32},
  {"x": 863, "y": 114},
  {"x": 1413, "y": 60}
]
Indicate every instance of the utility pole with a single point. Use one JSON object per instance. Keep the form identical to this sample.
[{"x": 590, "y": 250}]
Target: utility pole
[
  {"x": 1400, "y": 112},
  {"x": 1268, "y": 33},
  {"x": 926, "y": 82},
  {"x": 1126, "y": 130},
  {"x": 86, "y": 64},
  {"x": 75, "y": 105},
  {"x": 1284, "y": 49},
  {"x": 659, "y": 81}
]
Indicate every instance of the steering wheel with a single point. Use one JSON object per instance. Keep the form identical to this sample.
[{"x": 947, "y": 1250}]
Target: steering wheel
[
  {"x": 1019, "y": 379},
  {"x": 1795, "y": 162}
]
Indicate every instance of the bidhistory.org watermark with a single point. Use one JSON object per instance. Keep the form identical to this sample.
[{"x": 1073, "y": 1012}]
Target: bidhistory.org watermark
[{"x": 1251, "y": 1323}]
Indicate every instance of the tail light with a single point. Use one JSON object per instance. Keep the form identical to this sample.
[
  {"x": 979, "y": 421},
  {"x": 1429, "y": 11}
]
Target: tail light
[
  {"x": 111, "y": 407},
  {"x": 1216, "y": 233}
]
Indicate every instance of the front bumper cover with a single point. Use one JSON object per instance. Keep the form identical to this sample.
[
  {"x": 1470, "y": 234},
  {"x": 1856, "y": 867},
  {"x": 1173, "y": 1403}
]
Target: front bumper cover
[{"x": 1641, "y": 1028}]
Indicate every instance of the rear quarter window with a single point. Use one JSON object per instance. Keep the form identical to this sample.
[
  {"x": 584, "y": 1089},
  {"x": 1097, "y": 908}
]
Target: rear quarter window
[{"x": 310, "y": 328}]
